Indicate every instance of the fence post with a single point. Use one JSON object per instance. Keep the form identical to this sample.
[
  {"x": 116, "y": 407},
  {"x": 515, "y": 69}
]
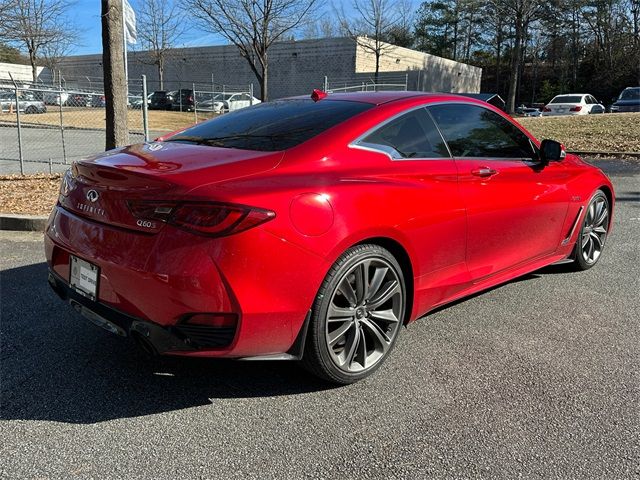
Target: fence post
[
  {"x": 406, "y": 82},
  {"x": 325, "y": 86},
  {"x": 15, "y": 86},
  {"x": 145, "y": 109},
  {"x": 195, "y": 102},
  {"x": 64, "y": 147},
  {"x": 251, "y": 93},
  {"x": 50, "y": 166}
]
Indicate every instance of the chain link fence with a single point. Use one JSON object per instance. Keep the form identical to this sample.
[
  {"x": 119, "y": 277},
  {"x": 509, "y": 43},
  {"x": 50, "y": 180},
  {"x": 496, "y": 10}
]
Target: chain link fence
[{"x": 45, "y": 127}]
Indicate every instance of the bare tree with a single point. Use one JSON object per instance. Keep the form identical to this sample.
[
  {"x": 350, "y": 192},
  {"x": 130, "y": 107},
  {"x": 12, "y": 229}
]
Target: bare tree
[
  {"x": 115, "y": 83},
  {"x": 371, "y": 25},
  {"x": 521, "y": 13},
  {"x": 253, "y": 26},
  {"x": 322, "y": 28},
  {"x": 35, "y": 25},
  {"x": 159, "y": 29},
  {"x": 52, "y": 53}
]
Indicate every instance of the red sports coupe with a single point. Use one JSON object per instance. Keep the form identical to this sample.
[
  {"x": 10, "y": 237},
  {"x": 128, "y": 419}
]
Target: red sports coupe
[{"x": 314, "y": 228}]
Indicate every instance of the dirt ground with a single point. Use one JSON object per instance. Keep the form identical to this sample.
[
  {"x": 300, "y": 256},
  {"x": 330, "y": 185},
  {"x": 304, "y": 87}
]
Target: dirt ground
[
  {"x": 616, "y": 132},
  {"x": 159, "y": 120},
  {"x": 31, "y": 194}
]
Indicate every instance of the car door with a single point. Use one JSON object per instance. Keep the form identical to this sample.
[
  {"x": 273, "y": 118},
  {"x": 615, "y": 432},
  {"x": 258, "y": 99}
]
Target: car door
[
  {"x": 515, "y": 207},
  {"x": 421, "y": 179}
]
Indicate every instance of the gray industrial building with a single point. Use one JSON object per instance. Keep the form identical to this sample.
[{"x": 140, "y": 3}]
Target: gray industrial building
[{"x": 295, "y": 67}]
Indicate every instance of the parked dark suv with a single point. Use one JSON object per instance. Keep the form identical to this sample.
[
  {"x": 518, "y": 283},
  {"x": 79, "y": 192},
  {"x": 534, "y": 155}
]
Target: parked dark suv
[
  {"x": 628, "y": 101},
  {"x": 160, "y": 100},
  {"x": 183, "y": 100}
]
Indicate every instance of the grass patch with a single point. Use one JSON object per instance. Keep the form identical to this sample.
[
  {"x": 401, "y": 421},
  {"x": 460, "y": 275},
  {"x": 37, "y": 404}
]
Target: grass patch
[
  {"x": 94, "y": 118},
  {"x": 615, "y": 132}
]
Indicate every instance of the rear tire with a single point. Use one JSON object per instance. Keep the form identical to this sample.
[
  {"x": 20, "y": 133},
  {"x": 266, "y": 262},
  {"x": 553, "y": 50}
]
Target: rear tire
[
  {"x": 593, "y": 233},
  {"x": 357, "y": 315}
]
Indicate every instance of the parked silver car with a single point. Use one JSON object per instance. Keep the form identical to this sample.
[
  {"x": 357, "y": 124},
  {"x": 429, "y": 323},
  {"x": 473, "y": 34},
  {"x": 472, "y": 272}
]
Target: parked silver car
[{"x": 27, "y": 103}]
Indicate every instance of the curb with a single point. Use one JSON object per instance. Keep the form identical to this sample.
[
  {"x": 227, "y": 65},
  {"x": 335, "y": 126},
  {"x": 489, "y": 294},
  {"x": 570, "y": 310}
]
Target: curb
[{"x": 22, "y": 223}]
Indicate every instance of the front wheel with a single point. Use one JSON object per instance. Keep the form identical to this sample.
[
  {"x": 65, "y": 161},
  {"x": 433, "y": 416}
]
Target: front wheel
[
  {"x": 593, "y": 232},
  {"x": 356, "y": 316}
]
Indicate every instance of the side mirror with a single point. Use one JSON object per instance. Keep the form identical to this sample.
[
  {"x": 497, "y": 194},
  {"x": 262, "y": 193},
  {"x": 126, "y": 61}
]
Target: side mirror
[{"x": 551, "y": 151}]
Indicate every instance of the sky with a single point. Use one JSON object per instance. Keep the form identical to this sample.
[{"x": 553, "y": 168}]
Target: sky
[{"x": 85, "y": 15}]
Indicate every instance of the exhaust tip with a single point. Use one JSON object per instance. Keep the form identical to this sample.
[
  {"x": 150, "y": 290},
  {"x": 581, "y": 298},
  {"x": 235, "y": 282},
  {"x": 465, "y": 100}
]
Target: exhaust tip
[{"x": 145, "y": 345}]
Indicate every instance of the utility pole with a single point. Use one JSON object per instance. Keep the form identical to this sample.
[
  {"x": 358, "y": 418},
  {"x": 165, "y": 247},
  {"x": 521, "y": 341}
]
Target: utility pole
[{"x": 115, "y": 83}]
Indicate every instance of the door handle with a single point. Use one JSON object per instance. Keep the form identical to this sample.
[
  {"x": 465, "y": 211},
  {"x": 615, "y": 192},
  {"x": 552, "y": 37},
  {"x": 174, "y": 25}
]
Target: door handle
[{"x": 484, "y": 172}]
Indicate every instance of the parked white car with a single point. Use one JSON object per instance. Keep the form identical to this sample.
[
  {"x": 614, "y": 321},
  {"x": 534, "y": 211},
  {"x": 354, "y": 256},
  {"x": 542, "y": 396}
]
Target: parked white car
[
  {"x": 55, "y": 98},
  {"x": 227, "y": 102},
  {"x": 572, "y": 104}
]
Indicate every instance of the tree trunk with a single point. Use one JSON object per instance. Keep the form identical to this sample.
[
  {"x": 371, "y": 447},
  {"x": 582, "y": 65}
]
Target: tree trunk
[
  {"x": 498, "y": 57},
  {"x": 34, "y": 67},
  {"x": 115, "y": 85},
  {"x": 264, "y": 83},
  {"x": 378, "y": 53},
  {"x": 515, "y": 66},
  {"x": 161, "y": 73}
]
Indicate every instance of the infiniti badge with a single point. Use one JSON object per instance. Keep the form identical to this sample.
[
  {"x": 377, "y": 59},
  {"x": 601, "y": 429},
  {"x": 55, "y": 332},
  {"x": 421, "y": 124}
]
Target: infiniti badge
[{"x": 92, "y": 196}]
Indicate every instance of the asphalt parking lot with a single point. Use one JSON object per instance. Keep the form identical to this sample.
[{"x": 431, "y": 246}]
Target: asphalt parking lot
[
  {"x": 538, "y": 378},
  {"x": 40, "y": 144}
]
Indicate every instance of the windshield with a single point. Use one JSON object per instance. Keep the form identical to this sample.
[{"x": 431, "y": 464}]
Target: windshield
[
  {"x": 567, "y": 99},
  {"x": 630, "y": 94},
  {"x": 271, "y": 126}
]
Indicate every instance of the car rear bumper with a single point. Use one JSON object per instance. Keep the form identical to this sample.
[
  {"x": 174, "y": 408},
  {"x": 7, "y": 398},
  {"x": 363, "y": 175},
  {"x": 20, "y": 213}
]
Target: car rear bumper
[
  {"x": 163, "y": 279},
  {"x": 160, "y": 339}
]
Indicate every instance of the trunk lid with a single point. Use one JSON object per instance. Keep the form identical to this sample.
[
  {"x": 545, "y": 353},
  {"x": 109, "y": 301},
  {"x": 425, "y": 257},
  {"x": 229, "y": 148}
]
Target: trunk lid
[{"x": 100, "y": 188}]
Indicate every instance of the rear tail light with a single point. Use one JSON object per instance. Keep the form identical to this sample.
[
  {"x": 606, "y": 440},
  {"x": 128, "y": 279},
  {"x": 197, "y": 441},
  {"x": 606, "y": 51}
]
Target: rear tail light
[
  {"x": 576, "y": 108},
  {"x": 546, "y": 109},
  {"x": 213, "y": 219}
]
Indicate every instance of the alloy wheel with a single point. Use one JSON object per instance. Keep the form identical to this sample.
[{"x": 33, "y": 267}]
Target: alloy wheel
[
  {"x": 594, "y": 230},
  {"x": 364, "y": 315}
]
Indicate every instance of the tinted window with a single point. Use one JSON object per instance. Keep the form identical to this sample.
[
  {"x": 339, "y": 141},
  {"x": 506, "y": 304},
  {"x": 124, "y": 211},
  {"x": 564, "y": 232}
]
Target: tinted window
[
  {"x": 272, "y": 126},
  {"x": 473, "y": 131},
  {"x": 567, "y": 99},
  {"x": 630, "y": 94},
  {"x": 412, "y": 135}
]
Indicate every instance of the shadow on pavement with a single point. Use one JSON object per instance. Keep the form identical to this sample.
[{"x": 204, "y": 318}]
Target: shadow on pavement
[{"x": 56, "y": 366}]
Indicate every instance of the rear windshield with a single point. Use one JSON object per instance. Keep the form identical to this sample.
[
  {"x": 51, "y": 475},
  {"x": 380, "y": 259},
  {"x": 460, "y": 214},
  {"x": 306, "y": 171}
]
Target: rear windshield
[
  {"x": 630, "y": 94},
  {"x": 567, "y": 99},
  {"x": 271, "y": 126}
]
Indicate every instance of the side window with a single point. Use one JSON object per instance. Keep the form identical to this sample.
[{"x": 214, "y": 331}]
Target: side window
[
  {"x": 475, "y": 131},
  {"x": 413, "y": 135}
]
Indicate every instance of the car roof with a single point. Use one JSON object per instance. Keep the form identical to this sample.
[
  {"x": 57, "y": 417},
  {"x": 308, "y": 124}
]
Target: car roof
[{"x": 378, "y": 98}]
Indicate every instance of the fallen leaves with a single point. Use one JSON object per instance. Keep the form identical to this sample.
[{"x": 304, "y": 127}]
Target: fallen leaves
[{"x": 31, "y": 195}]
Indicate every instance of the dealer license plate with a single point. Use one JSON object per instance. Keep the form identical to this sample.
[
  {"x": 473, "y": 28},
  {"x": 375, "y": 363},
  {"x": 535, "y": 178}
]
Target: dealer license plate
[{"x": 84, "y": 277}]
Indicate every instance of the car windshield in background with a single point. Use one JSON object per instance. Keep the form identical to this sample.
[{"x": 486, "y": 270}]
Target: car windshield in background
[
  {"x": 631, "y": 94},
  {"x": 567, "y": 99},
  {"x": 271, "y": 126}
]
